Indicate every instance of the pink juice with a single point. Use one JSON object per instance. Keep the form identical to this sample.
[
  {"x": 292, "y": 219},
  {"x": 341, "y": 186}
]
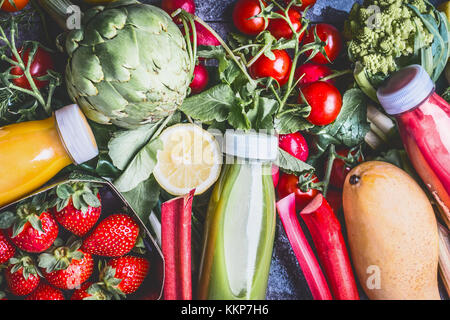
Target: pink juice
[{"x": 423, "y": 118}]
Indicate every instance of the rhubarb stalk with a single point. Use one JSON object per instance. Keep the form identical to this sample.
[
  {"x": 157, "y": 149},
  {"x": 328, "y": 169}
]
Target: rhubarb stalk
[
  {"x": 326, "y": 233},
  {"x": 176, "y": 247},
  {"x": 302, "y": 250}
]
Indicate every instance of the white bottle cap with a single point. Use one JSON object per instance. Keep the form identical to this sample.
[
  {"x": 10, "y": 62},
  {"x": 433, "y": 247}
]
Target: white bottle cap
[
  {"x": 405, "y": 89},
  {"x": 251, "y": 145},
  {"x": 76, "y": 134}
]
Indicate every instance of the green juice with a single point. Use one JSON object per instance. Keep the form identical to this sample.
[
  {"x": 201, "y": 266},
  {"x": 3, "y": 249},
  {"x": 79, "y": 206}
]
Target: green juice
[{"x": 239, "y": 234}]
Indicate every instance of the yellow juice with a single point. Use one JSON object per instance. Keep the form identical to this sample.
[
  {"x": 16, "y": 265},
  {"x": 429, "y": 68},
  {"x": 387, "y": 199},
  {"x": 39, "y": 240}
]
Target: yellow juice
[{"x": 31, "y": 153}]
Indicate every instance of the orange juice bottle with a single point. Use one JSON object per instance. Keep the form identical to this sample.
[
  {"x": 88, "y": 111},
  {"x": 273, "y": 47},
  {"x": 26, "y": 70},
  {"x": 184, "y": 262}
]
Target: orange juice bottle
[{"x": 31, "y": 153}]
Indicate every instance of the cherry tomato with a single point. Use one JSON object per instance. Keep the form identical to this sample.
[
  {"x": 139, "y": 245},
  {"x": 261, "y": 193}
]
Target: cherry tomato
[
  {"x": 279, "y": 28},
  {"x": 18, "y": 5},
  {"x": 289, "y": 183},
  {"x": 312, "y": 72},
  {"x": 334, "y": 199},
  {"x": 243, "y": 11},
  {"x": 41, "y": 63},
  {"x": 201, "y": 79},
  {"x": 305, "y": 3},
  {"x": 340, "y": 169},
  {"x": 278, "y": 69},
  {"x": 275, "y": 175},
  {"x": 325, "y": 101},
  {"x": 294, "y": 144},
  {"x": 170, "y": 6},
  {"x": 331, "y": 35}
]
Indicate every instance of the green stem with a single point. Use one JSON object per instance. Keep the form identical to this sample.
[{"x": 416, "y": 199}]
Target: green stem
[
  {"x": 336, "y": 75},
  {"x": 225, "y": 46}
]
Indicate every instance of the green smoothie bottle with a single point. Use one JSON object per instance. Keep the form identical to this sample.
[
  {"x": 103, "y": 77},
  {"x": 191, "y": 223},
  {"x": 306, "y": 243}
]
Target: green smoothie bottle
[{"x": 240, "y": 224}]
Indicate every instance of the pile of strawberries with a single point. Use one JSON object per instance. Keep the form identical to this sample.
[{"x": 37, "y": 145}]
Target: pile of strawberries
[{"x": 38, "y": 265}]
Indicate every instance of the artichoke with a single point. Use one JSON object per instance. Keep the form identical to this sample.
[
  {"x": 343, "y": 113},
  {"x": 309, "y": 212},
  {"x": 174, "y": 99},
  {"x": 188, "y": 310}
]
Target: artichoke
[{"x": 128, "y": 64}]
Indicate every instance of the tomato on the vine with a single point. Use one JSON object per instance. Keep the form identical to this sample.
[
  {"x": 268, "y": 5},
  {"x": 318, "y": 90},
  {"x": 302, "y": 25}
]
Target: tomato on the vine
[
  {"x": 42, "y": 62},
  {"x": 340, "y": 168},
  {"x": 277, "y": 69},
  {"x": 325, "y": 101},
  {"x": 294, "y": 144},
  {"x": 279, "y": 28},
  {"x": 18, "y": 5},
  {"x": 329, "y": 34},
  {"x": 290, "y": 183},
  {"x": 312, "y": 72},
  {"x": 305, "y": 3},
  {"x": 243, "y": 12}
]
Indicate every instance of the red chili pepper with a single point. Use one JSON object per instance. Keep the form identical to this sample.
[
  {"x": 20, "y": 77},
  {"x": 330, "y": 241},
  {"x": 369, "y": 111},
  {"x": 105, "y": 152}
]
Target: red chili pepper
[
  {"x": 176, "y": 247},
  {"x": 302, "y": 250},
  {"x": 326, "y": 233}
]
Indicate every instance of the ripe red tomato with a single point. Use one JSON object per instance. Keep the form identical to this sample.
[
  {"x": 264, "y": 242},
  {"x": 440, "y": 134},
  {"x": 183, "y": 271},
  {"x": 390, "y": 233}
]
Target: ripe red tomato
[
  {"x": 278, "y": 69},
  {"x": 201, "y": 79},
  {"x": 331, "y": 35},
  {"x": 312, "y": 72},
  {"x": 18, "y": 5},
  {"x": 243, "y": 11},
  {"x": 325, "y": 101},
  {"x": 279, "y": 28},
  {"x": 289, "y": 183},
  {"x": 170, "y": 6},
  {"x": 340, "y": 169},
  {"x": 305, "y": 3},
  {"x": 294, "y": 144},
  {"x": 42, "y": 62}
]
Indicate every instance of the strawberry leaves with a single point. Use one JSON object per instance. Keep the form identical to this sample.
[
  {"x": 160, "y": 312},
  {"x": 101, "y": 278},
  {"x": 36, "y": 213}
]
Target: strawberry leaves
[
  {"x": 83, "y": 196},
  {"x": 26, "y": 212},
  {"x": 60, "y": 257}
]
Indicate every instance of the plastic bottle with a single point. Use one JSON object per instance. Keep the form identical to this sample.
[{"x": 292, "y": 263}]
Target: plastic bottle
[
  {"x": 240, "y": 223},
  {"x": 423, "y": 118},
  {"x": 31, "y": 153}
]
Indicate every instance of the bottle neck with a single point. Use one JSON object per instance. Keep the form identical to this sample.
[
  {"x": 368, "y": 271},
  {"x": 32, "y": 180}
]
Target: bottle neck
[{"x": 76, "y": 134}]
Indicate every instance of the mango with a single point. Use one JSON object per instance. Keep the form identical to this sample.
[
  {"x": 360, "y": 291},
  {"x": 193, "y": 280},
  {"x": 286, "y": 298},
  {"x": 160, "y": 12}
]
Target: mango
[{"x": 392, "y": 233}]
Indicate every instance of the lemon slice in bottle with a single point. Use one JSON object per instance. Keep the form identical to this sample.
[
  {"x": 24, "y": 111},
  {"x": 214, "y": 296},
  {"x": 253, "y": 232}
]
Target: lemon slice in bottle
[{"x": 190, "y": 158}]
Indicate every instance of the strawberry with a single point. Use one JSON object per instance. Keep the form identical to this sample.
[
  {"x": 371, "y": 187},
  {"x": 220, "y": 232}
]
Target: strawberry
[
  {"x": 77, "y": 206},
  {"x": 91, "y": 291},
  {"x": 66, "y": 267},
  {"x": 30, "y": 227},
  {"x": 22, "y": 275},
  {"x": 125, "y": 274},
  {"x": 7, "y": 250},
  {"x": 115, "y": 236},
  {"x": 45, "y": 292}
]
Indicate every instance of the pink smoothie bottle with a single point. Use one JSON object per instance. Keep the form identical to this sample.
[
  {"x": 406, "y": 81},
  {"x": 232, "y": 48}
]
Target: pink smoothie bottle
[{"x": 423, "y": 118}]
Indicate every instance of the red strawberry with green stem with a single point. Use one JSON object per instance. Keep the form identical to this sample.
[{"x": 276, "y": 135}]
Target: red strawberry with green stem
[
  {"x": 115, "y": 236},
  {"x": 66, "y": 267},
  {"x": 124, "y": 275},
  {"x": 22, "y": 275},
  {"x": 91, "y": 291},
  {"x": 7, "y": 250},
  {"x": 46, "y": 292},
  {"x": 31, "y": 227},
  {"x": 77, "y": 206}
]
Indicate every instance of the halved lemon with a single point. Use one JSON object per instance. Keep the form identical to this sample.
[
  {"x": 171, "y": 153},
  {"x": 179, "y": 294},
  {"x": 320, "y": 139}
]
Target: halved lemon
[{"x": 190, "y": 158}]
